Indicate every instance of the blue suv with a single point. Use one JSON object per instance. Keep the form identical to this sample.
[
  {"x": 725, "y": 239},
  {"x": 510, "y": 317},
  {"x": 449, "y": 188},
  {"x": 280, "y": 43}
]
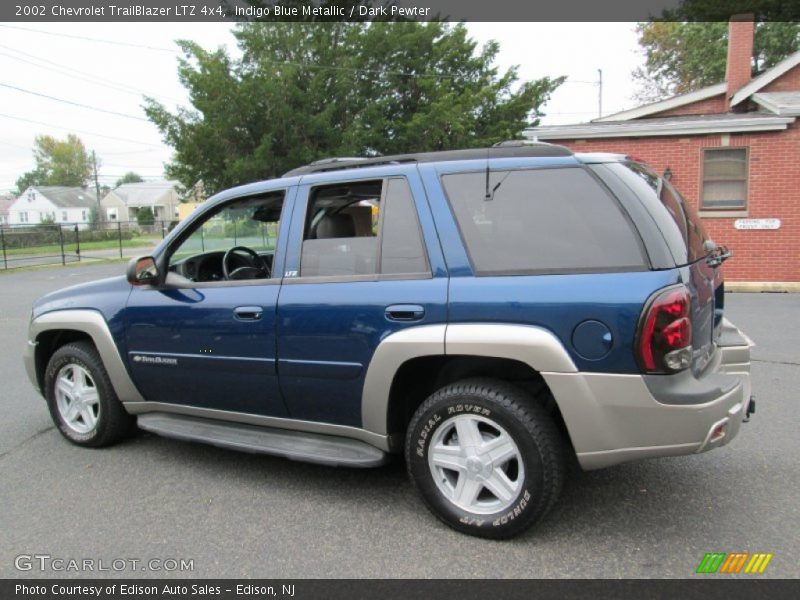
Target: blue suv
[{"x": 487, "y": 313}]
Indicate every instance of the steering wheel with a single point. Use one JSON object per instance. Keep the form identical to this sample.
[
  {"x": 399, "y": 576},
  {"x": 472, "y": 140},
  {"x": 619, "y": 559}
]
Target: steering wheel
[{"x": 258, "y": 268}]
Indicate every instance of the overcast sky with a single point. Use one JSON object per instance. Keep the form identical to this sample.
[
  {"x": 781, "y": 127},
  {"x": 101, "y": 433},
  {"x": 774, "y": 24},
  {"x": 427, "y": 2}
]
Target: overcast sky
[{"x": 59, "y": 60}]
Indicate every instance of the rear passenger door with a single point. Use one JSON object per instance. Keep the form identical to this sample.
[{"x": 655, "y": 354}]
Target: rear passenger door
[{"x": 358, "y": 269}]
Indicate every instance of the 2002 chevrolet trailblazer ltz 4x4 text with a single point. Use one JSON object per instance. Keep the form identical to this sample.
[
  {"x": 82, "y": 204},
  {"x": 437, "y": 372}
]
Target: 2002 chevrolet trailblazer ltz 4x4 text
[{"x": 486, "y": 312}]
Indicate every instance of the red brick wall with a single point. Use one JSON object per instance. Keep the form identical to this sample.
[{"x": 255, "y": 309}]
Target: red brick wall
[
  {"x": 740, "y": 53},
  {"x": 788, "y": 82},
  {"x": 710, "y": 106},
  {"x": 774, "y": 192}
]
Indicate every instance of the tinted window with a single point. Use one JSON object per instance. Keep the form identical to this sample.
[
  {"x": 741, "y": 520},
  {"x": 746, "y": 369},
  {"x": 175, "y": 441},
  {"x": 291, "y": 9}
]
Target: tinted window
[
  {"x": 362, "y": 228},
  {"x": 683, "y": 230},
  {"x": 401, "y": 248},
  {"x": 546, "y": 220}
]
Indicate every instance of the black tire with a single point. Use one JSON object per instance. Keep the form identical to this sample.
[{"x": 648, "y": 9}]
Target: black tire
[
  {"x": 113, "y": 423},
  {"x": 539, "y": 443}
]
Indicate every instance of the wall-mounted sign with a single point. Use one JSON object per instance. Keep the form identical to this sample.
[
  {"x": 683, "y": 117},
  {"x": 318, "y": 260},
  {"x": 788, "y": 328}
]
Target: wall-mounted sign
[{"x": 757, "y": 224}]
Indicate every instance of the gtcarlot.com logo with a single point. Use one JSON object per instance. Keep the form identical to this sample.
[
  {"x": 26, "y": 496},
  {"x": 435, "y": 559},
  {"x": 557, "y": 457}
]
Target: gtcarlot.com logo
[
  {"x": 734, "y": 563},
  {"x": 46, "y": 562}
]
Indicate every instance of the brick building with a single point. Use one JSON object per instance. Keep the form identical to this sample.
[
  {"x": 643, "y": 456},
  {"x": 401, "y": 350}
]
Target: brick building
[{"x": 732, "y": 149}]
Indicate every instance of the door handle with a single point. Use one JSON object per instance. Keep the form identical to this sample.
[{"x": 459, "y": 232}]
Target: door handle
[
  {"x": 405, "y": 312},
  {"x": 248, "y": 313}
]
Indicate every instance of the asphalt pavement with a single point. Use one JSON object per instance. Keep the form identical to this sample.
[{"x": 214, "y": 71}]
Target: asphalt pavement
[{"x": 241, "y": 515}]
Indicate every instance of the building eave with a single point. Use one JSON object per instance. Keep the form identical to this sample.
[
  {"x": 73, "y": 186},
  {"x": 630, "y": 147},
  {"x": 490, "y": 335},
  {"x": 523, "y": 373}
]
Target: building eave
[
  {"x": 651, "y": 129},
  {"x": 766, "y": 78},
  {"x": 664, "y": 105},
  {"x": 781, "y": 111}
]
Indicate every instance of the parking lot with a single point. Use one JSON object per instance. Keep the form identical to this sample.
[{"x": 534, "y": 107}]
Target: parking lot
[{"x": 241, "y": 515}]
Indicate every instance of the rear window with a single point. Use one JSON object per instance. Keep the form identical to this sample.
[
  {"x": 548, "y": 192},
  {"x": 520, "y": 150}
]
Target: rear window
[
  {"x": 541, "y": 221},
  {"x": 683, "y": 230}
]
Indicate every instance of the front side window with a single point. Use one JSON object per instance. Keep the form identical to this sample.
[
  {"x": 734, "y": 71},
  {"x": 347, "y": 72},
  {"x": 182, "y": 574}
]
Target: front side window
[
  {"x": 23, "y": 217},
  {"x": 724, "y": 179},
  {"x": 362, "y": 228},
  {"x": 235, "y": 242},
  {"x": 540, "y": 221}
]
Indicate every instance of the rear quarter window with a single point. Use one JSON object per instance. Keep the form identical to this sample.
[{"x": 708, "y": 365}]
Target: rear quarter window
[
  {"x": 679, "y": 223},
  {"x": 541, "y": 221}
]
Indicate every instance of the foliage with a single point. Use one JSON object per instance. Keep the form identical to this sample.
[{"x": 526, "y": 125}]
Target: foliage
[
  {"x": 145, "y": 216},
  {"x": 306, "y": 91},
  {"x": 129, "y": 177},
  {"x": 684, "y": 56},
  {"x": 58, "y": 162}
]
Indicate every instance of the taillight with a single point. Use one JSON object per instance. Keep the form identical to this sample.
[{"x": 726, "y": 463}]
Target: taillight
[{"x": 665, "y": 333}]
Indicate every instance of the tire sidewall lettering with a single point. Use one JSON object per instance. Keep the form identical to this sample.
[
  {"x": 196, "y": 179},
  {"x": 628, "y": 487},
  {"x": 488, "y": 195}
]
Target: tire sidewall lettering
[
  {"x": 515, "y": 511},
  {"x": 425, "y": 433}
]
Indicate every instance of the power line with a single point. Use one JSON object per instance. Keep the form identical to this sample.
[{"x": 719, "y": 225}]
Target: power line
[
  {"x": 118, "y": 175},
  {"x": 90, "y": 39},
  {"x": 268, "y": 61},
  {"x": 82, "y": 75},
  {"x": 109, "y": 137},
  {"x": 130, "y": 152},
  {"x": 13, "y": 145},
  {"x": 95, "y": 108},
  {"x": 132, "y": 167}
]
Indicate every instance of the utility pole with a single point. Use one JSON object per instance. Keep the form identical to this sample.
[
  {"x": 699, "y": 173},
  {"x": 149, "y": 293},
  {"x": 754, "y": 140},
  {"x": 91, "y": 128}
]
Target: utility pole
[
  {"x": 599, "y": 93},
  {"x": 96, "y": 184}
]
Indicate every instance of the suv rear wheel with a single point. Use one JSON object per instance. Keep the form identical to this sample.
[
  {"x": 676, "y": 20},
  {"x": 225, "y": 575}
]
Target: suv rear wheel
[
  {"x": 81, "y": 399},
  {"x": 486, "y": 457}
]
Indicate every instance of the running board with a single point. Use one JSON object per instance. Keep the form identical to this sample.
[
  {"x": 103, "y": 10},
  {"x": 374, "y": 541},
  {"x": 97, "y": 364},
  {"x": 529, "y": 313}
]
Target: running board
[{"x": 295, "y": 445}]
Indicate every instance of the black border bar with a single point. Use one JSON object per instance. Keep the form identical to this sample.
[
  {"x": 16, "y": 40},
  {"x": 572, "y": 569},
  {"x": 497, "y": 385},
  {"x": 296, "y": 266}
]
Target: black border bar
[
  {"x": 703, "y": 587},
  {"x": 33, "y": 11}
]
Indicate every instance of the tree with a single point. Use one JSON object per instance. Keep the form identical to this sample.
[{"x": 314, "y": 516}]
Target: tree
[
  {"x": 685, "y": 56},
  {"x": 145, "y": 217},
  {"x": 305, "y": 91},
  {"x": 129, "y": 177},
  {"x": 58, "y": 163}
]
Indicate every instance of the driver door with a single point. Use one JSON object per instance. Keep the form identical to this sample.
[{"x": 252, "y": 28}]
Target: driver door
[{"x": 205, "y": 340}]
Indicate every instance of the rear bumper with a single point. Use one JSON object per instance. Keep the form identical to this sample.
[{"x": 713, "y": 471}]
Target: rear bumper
[{"x": 618, "y": 418}]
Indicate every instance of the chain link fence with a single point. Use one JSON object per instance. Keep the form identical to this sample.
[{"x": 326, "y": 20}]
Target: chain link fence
[{"x": 63, "y": 243}]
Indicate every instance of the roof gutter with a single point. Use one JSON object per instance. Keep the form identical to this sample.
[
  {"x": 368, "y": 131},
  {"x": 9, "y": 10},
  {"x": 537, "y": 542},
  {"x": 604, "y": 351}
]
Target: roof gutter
[{"x": 634, "y": 129}]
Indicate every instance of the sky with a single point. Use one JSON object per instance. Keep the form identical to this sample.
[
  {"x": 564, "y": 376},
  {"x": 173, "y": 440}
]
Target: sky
[{"x": 69, "y": 63}]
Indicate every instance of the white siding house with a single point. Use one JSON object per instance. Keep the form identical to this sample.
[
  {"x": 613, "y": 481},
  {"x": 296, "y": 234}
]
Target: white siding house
[
  {"x": 124, "y": 201},
  {"x": 5, "y": 203},
  {"x": 56, "y": 204}
]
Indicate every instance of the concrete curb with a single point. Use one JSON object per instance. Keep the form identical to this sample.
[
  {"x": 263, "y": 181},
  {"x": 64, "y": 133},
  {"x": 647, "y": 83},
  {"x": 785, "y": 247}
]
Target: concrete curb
[{"x": 763, "y": 286}]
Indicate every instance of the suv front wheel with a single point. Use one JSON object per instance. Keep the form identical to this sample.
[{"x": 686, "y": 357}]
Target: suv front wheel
[
  {"x": 81, "y": 399},
  {"x": 486, "y": 457}
]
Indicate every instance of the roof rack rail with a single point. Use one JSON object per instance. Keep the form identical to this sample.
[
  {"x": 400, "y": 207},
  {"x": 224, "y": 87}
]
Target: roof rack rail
[
  {"x": 519, "y": 144},
  {"x": 511, "y": 149},
  {"x": 335, "y": 159}
]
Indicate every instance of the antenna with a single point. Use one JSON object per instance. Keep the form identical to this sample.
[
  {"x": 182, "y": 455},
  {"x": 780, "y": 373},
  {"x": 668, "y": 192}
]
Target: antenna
[{"x": 488, "y": 195}]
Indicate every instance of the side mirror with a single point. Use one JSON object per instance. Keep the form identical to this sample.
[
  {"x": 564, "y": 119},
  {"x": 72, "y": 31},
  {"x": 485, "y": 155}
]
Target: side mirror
[{"x": 142, "y": 271}]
